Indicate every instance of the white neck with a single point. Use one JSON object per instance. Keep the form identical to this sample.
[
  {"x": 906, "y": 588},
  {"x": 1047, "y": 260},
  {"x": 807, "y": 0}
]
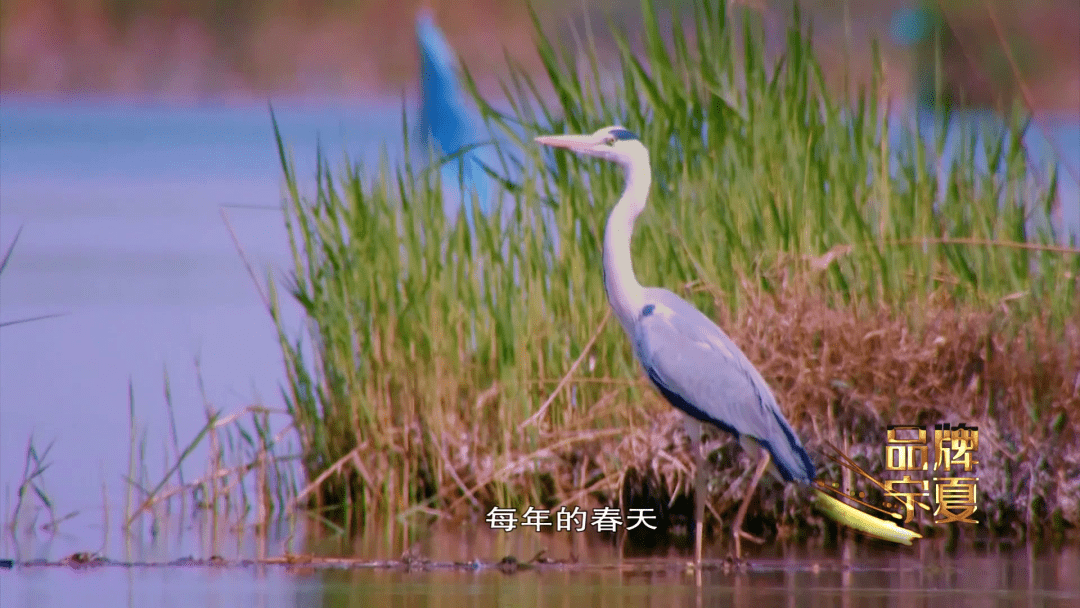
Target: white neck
[{"x": 626, "y": 295}]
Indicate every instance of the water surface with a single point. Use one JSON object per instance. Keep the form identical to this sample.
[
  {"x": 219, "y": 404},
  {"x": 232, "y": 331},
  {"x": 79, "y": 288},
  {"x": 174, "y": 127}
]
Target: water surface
[
  {"x": 860, "y": 576},
  {"x": 120, "y": 209}
]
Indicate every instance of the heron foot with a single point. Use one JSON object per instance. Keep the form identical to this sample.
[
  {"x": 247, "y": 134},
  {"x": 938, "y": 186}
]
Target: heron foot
[
  {"x": 738, "y": 534},
  {"x": 751, "y": 537},
  {"x": 734, "y": 563}
]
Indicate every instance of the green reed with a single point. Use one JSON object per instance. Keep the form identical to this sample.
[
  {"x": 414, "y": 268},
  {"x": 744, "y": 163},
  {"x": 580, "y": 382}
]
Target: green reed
[{"x": 434, "y": 345}]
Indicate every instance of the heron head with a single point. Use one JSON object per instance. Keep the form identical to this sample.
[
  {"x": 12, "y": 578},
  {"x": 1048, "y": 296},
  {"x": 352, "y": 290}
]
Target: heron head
[{"x": 615, "y": 144}]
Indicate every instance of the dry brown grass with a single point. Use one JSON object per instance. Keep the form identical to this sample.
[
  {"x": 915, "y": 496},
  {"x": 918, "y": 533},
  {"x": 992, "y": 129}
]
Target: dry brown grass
[{"x": 841, "y": 375}]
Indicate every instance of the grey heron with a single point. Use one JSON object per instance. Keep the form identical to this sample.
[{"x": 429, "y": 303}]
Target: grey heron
[{"x": 686, "y": 355}]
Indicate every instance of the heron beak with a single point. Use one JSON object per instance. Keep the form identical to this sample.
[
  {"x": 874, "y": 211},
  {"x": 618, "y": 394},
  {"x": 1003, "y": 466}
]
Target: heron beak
[{"x": 577, "y": 143}]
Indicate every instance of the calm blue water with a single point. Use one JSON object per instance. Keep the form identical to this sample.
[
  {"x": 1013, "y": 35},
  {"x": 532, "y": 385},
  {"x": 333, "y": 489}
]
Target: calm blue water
[
  {"x": 120, "y": 208},
  {"x": 861, "y": 579}
]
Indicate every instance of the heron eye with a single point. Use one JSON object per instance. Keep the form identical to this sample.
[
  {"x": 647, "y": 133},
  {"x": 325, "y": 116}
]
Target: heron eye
[{"x": 610, "y": 140}]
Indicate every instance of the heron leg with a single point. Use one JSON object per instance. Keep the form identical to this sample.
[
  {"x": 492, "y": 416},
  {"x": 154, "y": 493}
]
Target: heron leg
[
  {"x": 699, "y": 503},
  {"x": 693, "y": 428},
  {"x": 736, "y": 526}
]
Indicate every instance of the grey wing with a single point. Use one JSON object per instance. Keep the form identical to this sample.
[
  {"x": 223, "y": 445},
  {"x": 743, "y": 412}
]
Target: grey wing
[{"x": 702, "y": 372}]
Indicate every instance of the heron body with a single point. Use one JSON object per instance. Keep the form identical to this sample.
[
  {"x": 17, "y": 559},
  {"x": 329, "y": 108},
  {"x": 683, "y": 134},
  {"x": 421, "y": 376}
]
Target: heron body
[
  {"x": 686, "y": 355},
  {"x": 702, "y": 372}
]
